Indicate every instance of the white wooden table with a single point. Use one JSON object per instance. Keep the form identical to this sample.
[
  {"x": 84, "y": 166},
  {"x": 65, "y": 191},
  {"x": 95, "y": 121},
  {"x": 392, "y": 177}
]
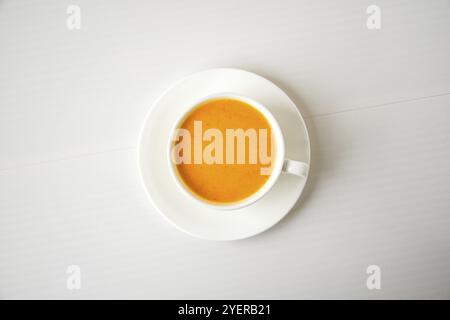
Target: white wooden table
[{"x": 377, "y": 104}]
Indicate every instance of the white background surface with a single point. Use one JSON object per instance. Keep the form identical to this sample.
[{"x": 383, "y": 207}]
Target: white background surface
[{"x": 377, "y": 104}]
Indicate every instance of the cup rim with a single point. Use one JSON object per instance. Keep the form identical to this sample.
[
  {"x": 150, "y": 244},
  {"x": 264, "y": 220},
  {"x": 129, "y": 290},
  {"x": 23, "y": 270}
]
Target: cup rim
[{"x": 279, "y": 151}]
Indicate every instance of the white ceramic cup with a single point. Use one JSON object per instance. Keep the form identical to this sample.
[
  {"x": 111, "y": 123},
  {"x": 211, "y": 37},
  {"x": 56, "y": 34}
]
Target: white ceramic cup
[{"x": 280, "y": 165}]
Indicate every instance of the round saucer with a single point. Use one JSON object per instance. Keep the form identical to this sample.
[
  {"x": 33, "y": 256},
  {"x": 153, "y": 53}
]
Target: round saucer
[{"x": 194, "y": 218}]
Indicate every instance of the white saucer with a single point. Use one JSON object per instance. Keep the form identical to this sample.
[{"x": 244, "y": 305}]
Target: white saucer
[{"x": 196, "y": 219}]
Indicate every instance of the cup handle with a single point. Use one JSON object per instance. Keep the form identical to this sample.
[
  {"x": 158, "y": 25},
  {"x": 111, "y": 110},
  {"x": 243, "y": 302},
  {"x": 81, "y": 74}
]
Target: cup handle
[{"x": 295, "y": 167}]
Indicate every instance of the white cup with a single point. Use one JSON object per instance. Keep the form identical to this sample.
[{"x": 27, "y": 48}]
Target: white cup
[{"x": 280, "y": 165}]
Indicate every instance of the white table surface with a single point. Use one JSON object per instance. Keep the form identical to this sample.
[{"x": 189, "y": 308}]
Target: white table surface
[{"x": 377, "y": 104}]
